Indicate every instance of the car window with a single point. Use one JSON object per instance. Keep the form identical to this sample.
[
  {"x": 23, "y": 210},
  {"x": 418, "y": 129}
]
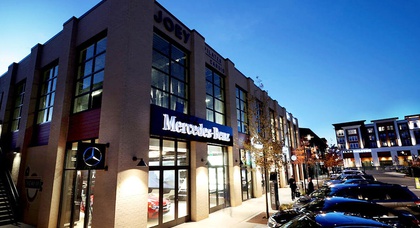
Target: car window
[
  {"x": 399, "y": 194},
  {"x": 370, "y": 193},
  {"x": 346, "y": 192}
]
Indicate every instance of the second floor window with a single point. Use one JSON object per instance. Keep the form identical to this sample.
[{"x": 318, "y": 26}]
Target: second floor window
[
  {"x": 90, "y": 77},
  {"x": 241, "y": 110},
  {"x": 169, "y": 76},
  {"x": 215, "y": 97},
  {"x": 47, "y": 95},
  {"x": 17, "y": 106}
]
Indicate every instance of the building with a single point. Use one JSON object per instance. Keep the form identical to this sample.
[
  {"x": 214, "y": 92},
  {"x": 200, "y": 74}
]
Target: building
[
  {"x": 130, "y": 112},
  {"x": 314, "y": 149},
  {"x": 384, "y": 142}
]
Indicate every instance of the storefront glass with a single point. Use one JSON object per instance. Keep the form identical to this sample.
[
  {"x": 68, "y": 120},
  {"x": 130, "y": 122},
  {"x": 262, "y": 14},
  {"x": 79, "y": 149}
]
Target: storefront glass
[
  {"x": 78, "y": 193},
  {"x": 168, "y": 202},
  {"x": 246, "y": 174},
  {"x": 218, "y": 179}
]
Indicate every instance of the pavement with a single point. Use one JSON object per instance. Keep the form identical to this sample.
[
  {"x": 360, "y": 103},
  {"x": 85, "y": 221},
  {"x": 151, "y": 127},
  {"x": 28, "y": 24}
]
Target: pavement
[{"x": 250, "y": 214}]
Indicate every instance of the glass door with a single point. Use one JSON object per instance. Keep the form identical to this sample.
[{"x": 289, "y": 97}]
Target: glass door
[
  {"x": 218, "y": 188},
  {"x": 168, "y": 200},
  {"x": 77, "y": 196}
]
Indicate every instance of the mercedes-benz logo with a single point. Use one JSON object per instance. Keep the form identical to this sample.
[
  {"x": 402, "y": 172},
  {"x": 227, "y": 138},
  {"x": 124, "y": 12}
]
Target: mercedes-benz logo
[{"x": 92, "y": 156}]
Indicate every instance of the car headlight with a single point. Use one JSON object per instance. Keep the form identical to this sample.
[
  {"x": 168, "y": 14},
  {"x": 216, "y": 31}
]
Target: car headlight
[{"x": 272, "y": 222}]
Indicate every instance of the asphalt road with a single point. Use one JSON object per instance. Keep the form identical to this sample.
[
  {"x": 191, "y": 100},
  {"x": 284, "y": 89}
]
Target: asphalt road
[{"x": 394, "y": 177}]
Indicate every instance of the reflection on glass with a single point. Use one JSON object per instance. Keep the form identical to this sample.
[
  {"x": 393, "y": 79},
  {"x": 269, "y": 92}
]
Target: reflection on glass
[
  {"x": 168, "y": 153},
  {"x": 153, "y": 199},
  {"x": 220, "y": 186},
  {"x": 182, "y": 154},
  {"x": 154, "y": 152},
  {"x": 212, "y": 187},
  {"x": 182, "y": 193},
  {"x": 169, "y": 195}
]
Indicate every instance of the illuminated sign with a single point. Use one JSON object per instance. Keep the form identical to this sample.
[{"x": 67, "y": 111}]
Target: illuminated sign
[
  {"x": 165, "y": 122},
  {"x": 90, "y": 156}
]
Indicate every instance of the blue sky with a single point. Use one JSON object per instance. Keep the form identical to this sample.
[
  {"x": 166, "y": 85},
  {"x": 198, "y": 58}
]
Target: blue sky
[{"x": 326, "y": 61}]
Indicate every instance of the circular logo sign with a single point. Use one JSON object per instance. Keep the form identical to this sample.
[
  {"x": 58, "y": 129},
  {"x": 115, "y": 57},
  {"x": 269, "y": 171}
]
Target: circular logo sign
[
  {"x": 92, "y": 156},
  {"x": 293, "y": 157}
]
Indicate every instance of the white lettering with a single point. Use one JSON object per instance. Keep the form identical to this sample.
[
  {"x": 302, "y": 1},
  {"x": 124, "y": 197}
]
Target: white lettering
[{"x": 170, "y": 124}]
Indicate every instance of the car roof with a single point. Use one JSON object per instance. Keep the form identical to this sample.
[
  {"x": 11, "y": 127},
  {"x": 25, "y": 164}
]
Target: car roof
[{"x": 332, "y": 219}]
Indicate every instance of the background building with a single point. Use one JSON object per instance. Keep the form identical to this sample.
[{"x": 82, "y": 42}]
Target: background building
[
  {"x": 127, "y": 118},
  {"x": 384, "y": 142}
]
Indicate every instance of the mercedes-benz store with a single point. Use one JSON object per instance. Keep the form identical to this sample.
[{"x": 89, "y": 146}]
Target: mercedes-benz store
[{"x": 127, "y": 118}]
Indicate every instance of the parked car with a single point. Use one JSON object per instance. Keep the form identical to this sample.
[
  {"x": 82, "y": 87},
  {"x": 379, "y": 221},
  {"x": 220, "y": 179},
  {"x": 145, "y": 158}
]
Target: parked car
[
  {"x": 332, "y": 219},
  {"x": 153, "y": 206},
  {"x": 344, "y": 178},
  {"x": 362, "y": 208},
  {"x": 344, "y": 175},
  {"x": 390, "y": 195},
  {"x": 359, "y": 181}
]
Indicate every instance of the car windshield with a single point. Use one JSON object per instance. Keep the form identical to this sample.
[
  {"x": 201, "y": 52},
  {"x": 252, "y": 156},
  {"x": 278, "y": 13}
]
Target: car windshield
[
  {"x": 305, "y": 220},
  {"x": 316, "y": 205},
  {"x": 320, "y": 193}
]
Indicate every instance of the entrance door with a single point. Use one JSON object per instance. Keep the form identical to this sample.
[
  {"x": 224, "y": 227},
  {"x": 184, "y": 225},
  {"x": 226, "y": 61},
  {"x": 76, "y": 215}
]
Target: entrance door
[
  {"x": 77, "y": 195},
  {"x": 168, "y": 201},
  {"x": 218, "y": 187}
]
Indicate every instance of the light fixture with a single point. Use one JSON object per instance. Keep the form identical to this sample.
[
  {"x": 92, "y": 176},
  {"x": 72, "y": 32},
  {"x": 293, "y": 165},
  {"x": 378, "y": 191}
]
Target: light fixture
[{"x": 141, "y": 163}]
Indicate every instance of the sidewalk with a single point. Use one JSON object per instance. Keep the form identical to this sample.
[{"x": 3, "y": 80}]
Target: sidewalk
[{"x": 250, "y": 214}]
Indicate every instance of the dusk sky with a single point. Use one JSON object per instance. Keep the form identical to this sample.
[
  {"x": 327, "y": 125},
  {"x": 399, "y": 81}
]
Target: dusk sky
[{"x": 325, "y": 61}]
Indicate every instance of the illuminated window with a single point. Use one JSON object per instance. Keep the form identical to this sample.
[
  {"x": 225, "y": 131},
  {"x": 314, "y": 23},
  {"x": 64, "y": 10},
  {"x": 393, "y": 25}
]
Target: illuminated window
[
  {"x": 90, "y": 77},
  {"x": 215, "y": 97},
  {"x": 169, "y": 76},
  {"x": 47, "y": 95},
  {"x": 18, "y": 104},
  {"x": 241, "y": 110}
]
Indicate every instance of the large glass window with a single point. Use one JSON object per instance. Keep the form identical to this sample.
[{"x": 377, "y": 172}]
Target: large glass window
[
  {"x": 241, "y": 110},
  {"x": 77, "y": 196},
  {"x": 17, "y": 106},
  {"x": 90, "y": 76},
  {"x": 47, "y": 95},
  {"x": 168, "y": 200},
  {"x": 215, "y": 97},
  {"x": 218, "y": 177},
  {"x": 169, "y": 76}
]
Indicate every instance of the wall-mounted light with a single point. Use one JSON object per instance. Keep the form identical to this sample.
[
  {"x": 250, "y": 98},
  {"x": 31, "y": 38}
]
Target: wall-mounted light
[{"x": 141, "y": 162}]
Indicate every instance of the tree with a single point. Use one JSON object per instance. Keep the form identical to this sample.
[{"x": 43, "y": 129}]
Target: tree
[
  {"x": 265, "y": 144},
  {"x": 332, "y": 158}
]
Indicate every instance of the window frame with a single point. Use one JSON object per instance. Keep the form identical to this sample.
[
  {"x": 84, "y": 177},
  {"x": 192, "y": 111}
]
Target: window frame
[
  {"x": 176, "y": 90},
  {"x": 89, "y": 89}
]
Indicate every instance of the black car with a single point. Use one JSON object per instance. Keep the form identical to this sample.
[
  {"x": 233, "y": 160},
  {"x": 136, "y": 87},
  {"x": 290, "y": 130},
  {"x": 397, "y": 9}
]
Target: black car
[
  {"x": 389, "y": 195},
  {"x": 358, "y": 207},
  {"x": 332, "y": 219}
]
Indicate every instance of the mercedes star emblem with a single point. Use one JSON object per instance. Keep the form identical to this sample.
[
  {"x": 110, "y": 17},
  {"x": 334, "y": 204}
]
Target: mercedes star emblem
[{"x": 92, "y": 156}]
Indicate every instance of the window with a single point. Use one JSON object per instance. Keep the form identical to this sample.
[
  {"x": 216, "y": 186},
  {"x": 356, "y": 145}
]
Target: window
[
  {"x": 340, "y": 133},
  {"x": 241, "y": 110},
  {"x": 169, "y": 76},
  {"x": 354, "y": 145},
  {"x": 273, "y": 125},
  {"x": 47, "y": 95},
  {"x": 353, "y": 139},
  {"x": 90, "y": 77},
  {"x": 17, "y": 107},
  {"x": 215, "y": 97}
]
